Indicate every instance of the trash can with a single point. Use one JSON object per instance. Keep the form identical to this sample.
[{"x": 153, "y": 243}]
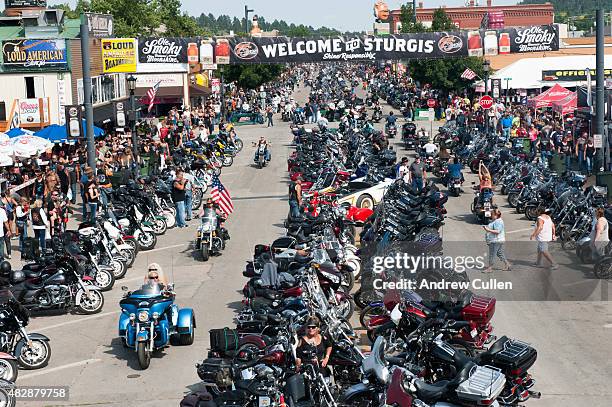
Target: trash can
[
  {"x": 604, "y": 179},
  {"x": 144, "y": 169},
  {"x": 557, "y": 163}
]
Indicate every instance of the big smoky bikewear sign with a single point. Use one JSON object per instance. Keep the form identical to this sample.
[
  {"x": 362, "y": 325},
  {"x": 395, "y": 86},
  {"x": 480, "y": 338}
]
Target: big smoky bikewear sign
[{"x": 394, "y": 47}]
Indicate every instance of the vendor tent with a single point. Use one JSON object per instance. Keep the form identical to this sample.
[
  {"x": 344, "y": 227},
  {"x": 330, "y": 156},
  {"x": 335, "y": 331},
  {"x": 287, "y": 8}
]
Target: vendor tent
[
  {"x": 16, "y": 131},
  {"x": 566, "y": 105},
  {"x": 57, "y": 134},
  {"x": 547, "y": 98}
]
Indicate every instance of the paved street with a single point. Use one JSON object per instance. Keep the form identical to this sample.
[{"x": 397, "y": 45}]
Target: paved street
[{"x": 572, "y": 338}]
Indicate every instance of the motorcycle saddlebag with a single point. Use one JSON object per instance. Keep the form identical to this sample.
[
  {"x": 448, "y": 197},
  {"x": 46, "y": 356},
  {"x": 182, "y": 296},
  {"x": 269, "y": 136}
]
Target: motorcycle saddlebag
[
  {"x": 216, "y": 371},
  {"x": 512, "y": 356},
  {"x": 249, "y": 270},
  {"x": 224, "y": 339},
  {"x": 198, "y": 399}
]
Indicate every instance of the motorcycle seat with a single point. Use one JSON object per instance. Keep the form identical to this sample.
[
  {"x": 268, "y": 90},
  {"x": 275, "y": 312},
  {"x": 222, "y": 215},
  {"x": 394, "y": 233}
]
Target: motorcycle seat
[
  {"x": 497, "y": 346},
  {"x": 431, "y": 392},
  {"x": 34, "y": 284}
]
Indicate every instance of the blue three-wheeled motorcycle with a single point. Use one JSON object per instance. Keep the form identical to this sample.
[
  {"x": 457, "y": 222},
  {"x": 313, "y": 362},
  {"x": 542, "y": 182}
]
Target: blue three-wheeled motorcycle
[{"x": 150, "y": 320}]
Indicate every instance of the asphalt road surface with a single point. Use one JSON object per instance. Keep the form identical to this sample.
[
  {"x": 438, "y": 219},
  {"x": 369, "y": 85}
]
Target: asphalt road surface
[{"x": 572, "y": 338}]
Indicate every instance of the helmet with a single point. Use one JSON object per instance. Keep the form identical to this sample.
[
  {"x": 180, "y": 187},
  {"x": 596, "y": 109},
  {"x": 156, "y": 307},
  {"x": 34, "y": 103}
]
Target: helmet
[
  {"x": 5, "y": 269},
  {"x": 17, "y": 276}
]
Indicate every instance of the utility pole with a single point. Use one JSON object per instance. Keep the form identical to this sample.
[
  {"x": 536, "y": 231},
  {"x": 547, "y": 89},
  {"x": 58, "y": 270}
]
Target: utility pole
[
  {"x": 246, "y": 18},
  {"x": 89, "y": 131},
  {"x": 599, "y": 92},
  {"x": 414, "y": 11}
]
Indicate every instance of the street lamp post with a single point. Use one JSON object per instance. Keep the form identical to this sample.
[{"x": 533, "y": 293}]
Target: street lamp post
[
  {"x": 247, "y": 10},
  {"x": 131, "y": 83},
  {"x": 486, "y": 67}
]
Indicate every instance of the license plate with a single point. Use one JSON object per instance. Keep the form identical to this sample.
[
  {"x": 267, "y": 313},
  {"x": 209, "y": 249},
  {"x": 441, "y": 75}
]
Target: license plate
[
  {"x": 487, "y": 213},
  {"x": 457, "y": 185},
  {"x": 264, "y": 401},
  {"x": 474, "y": 333}
]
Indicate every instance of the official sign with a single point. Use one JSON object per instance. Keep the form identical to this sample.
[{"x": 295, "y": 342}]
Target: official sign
[
  {"x": 119, "y": 55},
  {"x": 25, "y": 3},
  {"x": 99, "y": 25},
  {"x": 432, "y": 114},
  {"x": 119, "y": 108},
  {"x": 431, "y": 103},
  {"x": 571, "y": 74},
  {"x": 486, "y": 102},
  {"x": 597, "y": 140},
  {"x": 35, "y": 53}
]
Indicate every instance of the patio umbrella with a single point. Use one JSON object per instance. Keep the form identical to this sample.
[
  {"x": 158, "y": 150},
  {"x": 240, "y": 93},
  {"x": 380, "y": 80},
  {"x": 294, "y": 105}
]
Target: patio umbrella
[
  {"x": 54, "y": 133},
  {"x": 4, "y": 137},
  {"x": 6, "y": 147},
  {"x": 98, "y": 132},
  {"x": 27, "y": 146},
  {"x": 5, "y": 160},
  {"x": 15, "y": 131}
]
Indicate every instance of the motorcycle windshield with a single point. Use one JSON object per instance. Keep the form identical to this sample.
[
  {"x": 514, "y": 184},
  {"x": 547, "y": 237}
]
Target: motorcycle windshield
[{"x": 149, "y": 290}]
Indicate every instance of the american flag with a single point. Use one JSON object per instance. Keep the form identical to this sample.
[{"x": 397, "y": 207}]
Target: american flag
[
  {"x": 220, "y": 195},
  {"x": 468, "y": 74},
  {"x": 151, "y": 95}
]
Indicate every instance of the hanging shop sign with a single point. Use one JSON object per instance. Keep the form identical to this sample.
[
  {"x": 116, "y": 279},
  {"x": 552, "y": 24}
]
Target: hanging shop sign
[
  {"x": 570, "y": 74},
  {"x": 119, "y": 55},
  {"x": 99, "y": 25},
  {"x": 35, "y": 53},
  {"x": 393, "y": 47},
  {"x": 167, "y": 54},
  {"x": 74, "y": 121}
]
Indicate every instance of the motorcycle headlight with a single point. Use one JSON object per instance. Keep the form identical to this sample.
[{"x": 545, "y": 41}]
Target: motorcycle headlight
[{"x": 143, "y": 316}]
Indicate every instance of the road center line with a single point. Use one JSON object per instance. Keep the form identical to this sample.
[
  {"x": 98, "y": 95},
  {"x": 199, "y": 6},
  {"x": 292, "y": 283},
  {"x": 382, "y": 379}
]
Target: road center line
[
  {"x": 76, "y": 321},
  {"x": 165, "y": 248},
  {"x": 519, "y": 230},
  {"x": 55, "y": 369}
]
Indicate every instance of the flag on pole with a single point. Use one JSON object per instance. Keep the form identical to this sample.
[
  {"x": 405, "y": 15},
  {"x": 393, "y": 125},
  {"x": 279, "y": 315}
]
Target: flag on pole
[
  {"x": 151, "y": 95},
  {"x": 220, "y": 195},
  {"x": 468, "y": 74}
]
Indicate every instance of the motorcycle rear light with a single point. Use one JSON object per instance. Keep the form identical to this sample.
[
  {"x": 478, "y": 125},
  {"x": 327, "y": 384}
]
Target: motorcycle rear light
[
  {"x": 524, "y": 395},
  {"x": 487, "y": 402},
  {"x": 516, "y": 372}
]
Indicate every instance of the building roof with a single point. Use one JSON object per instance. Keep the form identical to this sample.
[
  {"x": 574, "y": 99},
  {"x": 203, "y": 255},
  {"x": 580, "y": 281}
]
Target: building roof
[
  {"x": 584, "y": 41},
  {"x": 526, "y": 73},
  {"x": 71, "y": 30}
]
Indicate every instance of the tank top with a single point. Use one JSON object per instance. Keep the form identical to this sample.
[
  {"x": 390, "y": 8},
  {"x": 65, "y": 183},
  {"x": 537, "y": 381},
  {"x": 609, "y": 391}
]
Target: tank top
[
  {"x": 545, "y": 234},
  {"x": 604, "y": 234},
  {"x": 292, "y": 192}
]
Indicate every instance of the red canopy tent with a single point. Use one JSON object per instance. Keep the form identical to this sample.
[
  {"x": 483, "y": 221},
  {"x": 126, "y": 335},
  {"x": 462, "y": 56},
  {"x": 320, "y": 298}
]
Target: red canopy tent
[
  {"x": 547, "y": 98},
  {"x": 566, "y": 105}
]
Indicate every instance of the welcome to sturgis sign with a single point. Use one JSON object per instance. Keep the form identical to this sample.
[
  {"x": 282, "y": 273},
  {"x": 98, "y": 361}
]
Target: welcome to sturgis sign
[{"x": 394, "y": 47}]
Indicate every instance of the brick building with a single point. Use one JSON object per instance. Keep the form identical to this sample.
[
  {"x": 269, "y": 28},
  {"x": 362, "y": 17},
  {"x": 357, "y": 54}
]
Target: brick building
[{"x": 470, "y": 17}]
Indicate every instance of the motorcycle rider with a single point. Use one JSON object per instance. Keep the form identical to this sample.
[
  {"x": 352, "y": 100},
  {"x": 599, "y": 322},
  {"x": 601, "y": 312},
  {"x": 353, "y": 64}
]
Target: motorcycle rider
[
  {"x": 430, "y": 149},
  {"x": 454, "y": 170},
  {"x": 391, "y": 119},
  {"x": 211, "y": 205},
  {"x": 267, "y": 154},
  {"x": 155, "y": 276},
  {"x": 295, "y": 197},
  {"x": 313, "y": 347}
]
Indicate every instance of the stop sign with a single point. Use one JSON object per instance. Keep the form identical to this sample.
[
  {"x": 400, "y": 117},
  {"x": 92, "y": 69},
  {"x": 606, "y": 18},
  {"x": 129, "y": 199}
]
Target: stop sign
[
  {"x": 431, "y": 103},
  {"x": 486, "y": 102}
]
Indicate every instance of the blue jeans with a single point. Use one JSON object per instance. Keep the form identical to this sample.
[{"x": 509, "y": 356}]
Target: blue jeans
[
  {"x": 41, "y": 235},
  {"x": 73, "y": 188},
  {"x": 188, "y": 200},
  {"x": 580, "y": 161},
  {"x": 589, "y": 164},
  {"x": 417, "y": 184},
  {"x": 84, "y": 207},
  {"x": 93, "y": 208},
  {"x": 180, "y": 213},
  {"x": 568, "y": 162},
  {"x": 294, "y": 207},
  {"x": 23, "y": 234},
  {"x": 506, "y": 133}
]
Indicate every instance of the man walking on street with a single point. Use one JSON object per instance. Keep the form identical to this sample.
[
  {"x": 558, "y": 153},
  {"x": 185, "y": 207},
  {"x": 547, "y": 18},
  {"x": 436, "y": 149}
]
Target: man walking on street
[
  {"x": 544, "y": 233},
  {"x": 270, "y": 115},
  {"x": 295, "y": 197},
  {"x": 417, "y": 174},
  {"x": 188, "y": 195}
]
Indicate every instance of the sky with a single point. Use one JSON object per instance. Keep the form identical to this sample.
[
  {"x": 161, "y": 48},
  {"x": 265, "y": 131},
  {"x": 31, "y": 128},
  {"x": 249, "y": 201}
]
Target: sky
[{"x": 344, "y": 15}]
